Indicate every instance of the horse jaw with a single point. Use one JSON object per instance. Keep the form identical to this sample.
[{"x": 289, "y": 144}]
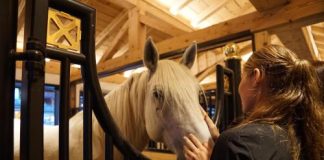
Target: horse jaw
[{"x": 174, "y": 132}]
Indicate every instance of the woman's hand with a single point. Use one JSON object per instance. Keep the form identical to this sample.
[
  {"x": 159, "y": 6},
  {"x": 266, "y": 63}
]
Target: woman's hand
[{"x": 195, "y": 150}]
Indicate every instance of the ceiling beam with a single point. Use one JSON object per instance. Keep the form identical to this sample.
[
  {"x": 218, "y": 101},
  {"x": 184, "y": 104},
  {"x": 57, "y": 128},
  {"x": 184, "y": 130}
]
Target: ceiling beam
[
  {"x": 161, "y": 25},
  {"x": 209, "y": 11},
  {"x": 101, "y": 37},
  {"x": 178, "y": 7},
  {"x": 209, "y": 70},
  {"x": 136, "y": 32},
  {"x": 310, "y": 42},
  {"x": 295, "y": 40},
  {"x": 264, "y": 5},
  {"x": 127, "y": 4},
  {"x": 261, "y": 39},
  {"x": 122, "y": 50},
  {"x": 109, "y": 53},
  {"x": 297, "y": 13}
]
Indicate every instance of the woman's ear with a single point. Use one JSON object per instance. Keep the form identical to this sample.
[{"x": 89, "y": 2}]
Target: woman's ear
[{"x": 257, "y": 77}]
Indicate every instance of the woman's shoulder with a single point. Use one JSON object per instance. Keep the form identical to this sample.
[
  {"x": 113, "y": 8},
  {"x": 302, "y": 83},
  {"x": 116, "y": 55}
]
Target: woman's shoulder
[
  {"x": 255, "y": 129},
  {"x": 257, "y": 140}
]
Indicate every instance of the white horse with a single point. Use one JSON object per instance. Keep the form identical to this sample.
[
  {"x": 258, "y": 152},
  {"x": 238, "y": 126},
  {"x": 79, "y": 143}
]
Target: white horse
[{"x": 160, "y": 103}]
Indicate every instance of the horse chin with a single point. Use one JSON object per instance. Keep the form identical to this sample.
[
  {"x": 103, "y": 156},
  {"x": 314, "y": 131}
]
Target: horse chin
[{"x": 175, "y": 143}]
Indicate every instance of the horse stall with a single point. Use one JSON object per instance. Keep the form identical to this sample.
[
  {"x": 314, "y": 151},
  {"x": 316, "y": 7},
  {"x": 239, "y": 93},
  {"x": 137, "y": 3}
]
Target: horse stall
[{"x": 33, "y": 57}]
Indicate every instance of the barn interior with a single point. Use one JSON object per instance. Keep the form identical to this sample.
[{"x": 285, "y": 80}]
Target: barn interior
[{"x": 122, "y": 26}]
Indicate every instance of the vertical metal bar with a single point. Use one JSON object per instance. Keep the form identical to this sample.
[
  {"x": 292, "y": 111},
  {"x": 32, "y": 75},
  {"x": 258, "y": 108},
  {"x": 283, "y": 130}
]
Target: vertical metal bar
[
  {"x": 31, "y": 136},
  {"x": 87, "y": 124},
  {"x": 109, "y": 149},
  {"x": 8, "y": 32},
  {"x": 235, "y": 65},
  {"x": 64, "y": 110},
  {"x": 219, "y": 97}
]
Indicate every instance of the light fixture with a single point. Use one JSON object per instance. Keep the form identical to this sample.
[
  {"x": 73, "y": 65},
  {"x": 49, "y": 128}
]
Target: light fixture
[{"x": 47, "y": 59}]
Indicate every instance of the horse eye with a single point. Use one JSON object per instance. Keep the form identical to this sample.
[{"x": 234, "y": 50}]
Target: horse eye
[{"x": 158, "y": 94}]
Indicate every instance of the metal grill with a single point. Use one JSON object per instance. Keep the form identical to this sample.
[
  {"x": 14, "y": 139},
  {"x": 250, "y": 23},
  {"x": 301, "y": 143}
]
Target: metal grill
[{"x": 33, "y": 57}]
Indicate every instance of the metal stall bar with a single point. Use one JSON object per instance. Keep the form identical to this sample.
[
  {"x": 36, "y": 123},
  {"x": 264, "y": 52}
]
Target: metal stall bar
[
  {"x": 64, "y": 110},
  {"x": 31, "y": 135},
  {"x": 109, "y": 149},
  {"x": 8, "y": 32},
  {"x": 87, "y": 123},
  {"x": 89, "y": 74},
  {"x": 235, "y": 65},
  {"x": 225, "y": 100}
]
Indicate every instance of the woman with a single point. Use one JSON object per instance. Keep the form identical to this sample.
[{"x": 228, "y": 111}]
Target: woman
[{"x": 284, "y": 120}]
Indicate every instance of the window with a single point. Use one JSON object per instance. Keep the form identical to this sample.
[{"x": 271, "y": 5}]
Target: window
[{"x": 50, "y": 103}]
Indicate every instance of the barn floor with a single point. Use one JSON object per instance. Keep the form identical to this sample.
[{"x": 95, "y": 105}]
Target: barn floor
[{"x": 159, "y": 156}]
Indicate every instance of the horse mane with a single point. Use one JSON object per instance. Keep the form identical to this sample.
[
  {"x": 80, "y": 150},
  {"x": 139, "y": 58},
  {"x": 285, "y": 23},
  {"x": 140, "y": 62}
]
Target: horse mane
[{"x": 126, "y": 104}]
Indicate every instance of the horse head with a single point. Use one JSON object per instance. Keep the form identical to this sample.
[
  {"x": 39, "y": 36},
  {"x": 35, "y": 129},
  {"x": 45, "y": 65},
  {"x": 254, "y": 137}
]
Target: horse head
[{"x": 172, "y": 108}]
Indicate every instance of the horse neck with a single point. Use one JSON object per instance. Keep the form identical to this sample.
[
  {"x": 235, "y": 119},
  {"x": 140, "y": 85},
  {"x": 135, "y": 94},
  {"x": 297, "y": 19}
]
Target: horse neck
[{"x": 126, "y": 105}]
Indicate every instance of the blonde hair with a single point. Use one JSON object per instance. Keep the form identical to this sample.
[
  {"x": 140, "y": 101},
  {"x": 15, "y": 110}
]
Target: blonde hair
[{"x": 290, "y": 99}]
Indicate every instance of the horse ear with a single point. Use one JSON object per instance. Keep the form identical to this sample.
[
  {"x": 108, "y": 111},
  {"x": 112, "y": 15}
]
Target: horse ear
[
  {"x": 151, "y": 56},
  {"x": 189, "y": 55}
]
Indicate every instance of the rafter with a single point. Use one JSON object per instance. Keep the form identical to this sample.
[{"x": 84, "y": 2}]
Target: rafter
[
  {"x": 136, "y": 33},
  {"x": 178, "y": 7},
  {"x": 161, "y": 26},
  {"x": 264, "y": 5},
  {"x": 109, "y": 29},
  {"x": 310, "y": 42},
  {"x": 109, "y": 53},
  {"x": 209, "y": 11},
  {"x": 261, "y": 39}
]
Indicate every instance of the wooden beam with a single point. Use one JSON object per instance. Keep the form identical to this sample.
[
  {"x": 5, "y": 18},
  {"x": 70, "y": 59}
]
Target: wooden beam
[
  {"x": 209, "y": 70},
  {"x": 297, "y": 13},
  {"x": 109, "y": 53},
  {"x": 122, "y": 50},
  {"x": 100, "y": 38},
  {"x": 295, "y": 41},
  {"x": 264, "y": 5},
  {"x": 310, "y": 42},
  {"x": 127, "y": 4},
  {"x": 209, "y": 11},
  {"x": 178, "y": 7},
  {"x": 136, "y": 33},
  {"x": 154, "y": 9},
  {"x": 261, "y": 39},
  {"x": 161, "y": 25}
]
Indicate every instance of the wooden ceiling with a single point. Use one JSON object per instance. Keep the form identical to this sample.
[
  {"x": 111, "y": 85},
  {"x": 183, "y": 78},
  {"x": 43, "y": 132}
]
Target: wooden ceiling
[{"x": 123, "y": 25}]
